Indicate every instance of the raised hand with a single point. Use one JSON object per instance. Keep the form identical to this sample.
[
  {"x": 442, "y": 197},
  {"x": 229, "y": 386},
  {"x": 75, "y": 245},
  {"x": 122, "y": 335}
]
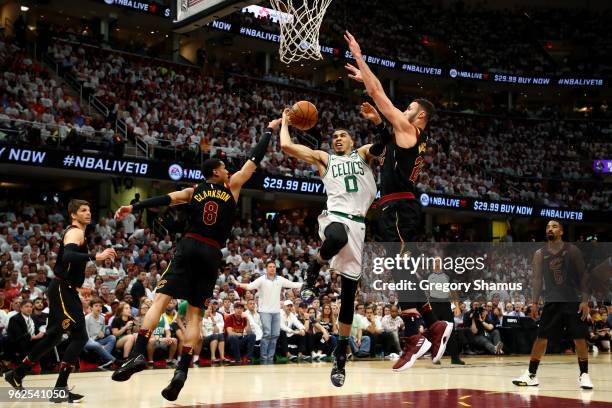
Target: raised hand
[
  {"x": 354, "y": 72},
  {"x": 122, "y": 212},
  {"x": 353, "y": 45},
  {"x": 274, "y": 124},
  {"x": 370, "y": 113},
  {"x": 286, "y": 117},
  {"x": 106, "y": 254}
]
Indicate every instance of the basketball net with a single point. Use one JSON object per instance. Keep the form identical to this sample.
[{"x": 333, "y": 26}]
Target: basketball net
[{"x": 300, "y": 21}]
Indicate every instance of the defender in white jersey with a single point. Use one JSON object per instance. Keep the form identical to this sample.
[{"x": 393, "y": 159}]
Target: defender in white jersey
[{"x": 351, "y": 188}]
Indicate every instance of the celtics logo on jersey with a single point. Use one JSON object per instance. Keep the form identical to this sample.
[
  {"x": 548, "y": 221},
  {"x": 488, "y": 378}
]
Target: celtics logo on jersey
[
  {"x": 348, "y": 171},
  {"x": 349, "y": 183}
]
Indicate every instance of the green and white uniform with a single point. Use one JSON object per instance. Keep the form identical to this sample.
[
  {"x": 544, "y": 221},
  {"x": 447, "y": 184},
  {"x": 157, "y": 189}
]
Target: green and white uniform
[{"x": 351, "y": 189}]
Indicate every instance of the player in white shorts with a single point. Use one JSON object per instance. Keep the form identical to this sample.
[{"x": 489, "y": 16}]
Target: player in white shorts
[{"x": 351, "y": 189}]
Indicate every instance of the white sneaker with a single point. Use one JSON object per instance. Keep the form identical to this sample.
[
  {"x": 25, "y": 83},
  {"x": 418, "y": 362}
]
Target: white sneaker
[
  {"x": 526, "y": 379},
  {"x": 585, "y": 381},
  {"x": 595, "y": 350}
]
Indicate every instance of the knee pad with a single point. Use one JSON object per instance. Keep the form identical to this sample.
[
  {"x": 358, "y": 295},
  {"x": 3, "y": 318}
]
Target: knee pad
[
  {"x": 335, "y": 239},
  {"x": 347, "y": 298}
]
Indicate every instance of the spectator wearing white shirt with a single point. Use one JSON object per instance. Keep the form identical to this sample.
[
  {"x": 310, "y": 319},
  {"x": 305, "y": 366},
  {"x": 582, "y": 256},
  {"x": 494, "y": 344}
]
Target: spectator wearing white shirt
[
  {"x": 360, "y": 343},
  {"x": 165, "y": 245},
  {"x": 233, "y": 258},
  {"x": 293, "y": 331},
  {"x": 15, "y": 252},
  {"x": 246, "y": 266},
  {"x": 512, "y": 311},
  {"x": 30, "y": 287},
  {"x": 90, "y": 276},
  {"x": 392, "y": 324},
  {"x": 110, "y": 275},
  {"x": 374, "y": 331},
  {"x": 128, "y": 224},
  {"x": 104, "y": 230},
  {"x": 254, "y": 320},
  {"x": 269, "y": 287},
  {"x": 213, "y": 325}
]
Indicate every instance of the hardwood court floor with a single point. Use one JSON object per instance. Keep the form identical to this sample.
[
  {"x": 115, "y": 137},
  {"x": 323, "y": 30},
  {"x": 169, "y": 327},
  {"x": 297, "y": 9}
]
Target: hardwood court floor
[{"x": 484, "y": 382}]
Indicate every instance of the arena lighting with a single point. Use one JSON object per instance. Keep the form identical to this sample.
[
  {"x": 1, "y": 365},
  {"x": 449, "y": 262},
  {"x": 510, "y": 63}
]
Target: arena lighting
[{"x": 24, "y": 8}]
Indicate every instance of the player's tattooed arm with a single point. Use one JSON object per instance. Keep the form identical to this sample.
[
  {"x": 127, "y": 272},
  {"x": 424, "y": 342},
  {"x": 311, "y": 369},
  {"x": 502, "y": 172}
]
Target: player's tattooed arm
[{"x": 317, "y": 158}]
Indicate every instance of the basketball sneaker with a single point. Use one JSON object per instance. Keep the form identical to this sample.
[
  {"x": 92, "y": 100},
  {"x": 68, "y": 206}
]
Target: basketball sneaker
[
  {"x": 414, "y": 348},
  {"x": 130, "y": 367},
  {"x": 71, "y": 397},
  {"x": 12, "y": 378},
  {"x": 338, "y": 373},
  {"x": 526, "y": 379},
  {"x": 585, "y": 381},
  {"x": 438, "y": 334},
  {"x": 173, "y": 389}
]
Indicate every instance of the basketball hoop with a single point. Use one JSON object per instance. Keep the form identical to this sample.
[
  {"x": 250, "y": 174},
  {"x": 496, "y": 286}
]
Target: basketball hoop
[{"x": 300, "y": 22}]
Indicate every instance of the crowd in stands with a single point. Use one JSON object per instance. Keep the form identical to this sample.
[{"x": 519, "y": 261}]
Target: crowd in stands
[
  {"x": 116, "y": 295},
  {"x": 38, "y": 108},
  {"x": 181, "y": 114}
]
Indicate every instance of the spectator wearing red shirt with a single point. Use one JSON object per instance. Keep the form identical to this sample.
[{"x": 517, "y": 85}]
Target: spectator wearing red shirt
[{"x": 238, "y": 335}]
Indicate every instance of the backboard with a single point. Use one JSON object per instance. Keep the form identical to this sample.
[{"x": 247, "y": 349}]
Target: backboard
[{"x": 192, "y": 14}]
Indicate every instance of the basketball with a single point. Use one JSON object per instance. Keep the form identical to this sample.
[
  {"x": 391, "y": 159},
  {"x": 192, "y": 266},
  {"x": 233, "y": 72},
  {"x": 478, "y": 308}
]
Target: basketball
[{"x": 304, "y": 115}]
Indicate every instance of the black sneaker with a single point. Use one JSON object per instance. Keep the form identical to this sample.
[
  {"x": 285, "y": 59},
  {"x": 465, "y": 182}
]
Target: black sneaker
[
  {"x": 62, "y": 397},
  {"x": 338, "y": 374},
  {"x": 129, "y": 367},
  {"x": 308, "y": 293},
  {"x": 12, "y": 378},
  {"x": 457, "y": 361},
  {"x": 171, "y": 392}
]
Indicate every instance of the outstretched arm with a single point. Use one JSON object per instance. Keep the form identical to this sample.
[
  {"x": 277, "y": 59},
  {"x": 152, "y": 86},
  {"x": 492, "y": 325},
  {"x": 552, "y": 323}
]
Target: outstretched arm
[
  {"x": 402, "y": 127},
  {"x": 173, "y": 198},
  {"x": 315, "y": 157},
  {"x": 239, "y": 178}
]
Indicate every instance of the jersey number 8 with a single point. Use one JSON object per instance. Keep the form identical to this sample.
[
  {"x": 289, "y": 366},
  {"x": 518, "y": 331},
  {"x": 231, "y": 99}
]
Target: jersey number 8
[{"x": 210, "y": 213}]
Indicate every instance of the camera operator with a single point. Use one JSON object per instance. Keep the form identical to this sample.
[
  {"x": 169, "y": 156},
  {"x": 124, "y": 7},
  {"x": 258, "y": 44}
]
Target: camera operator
[{"x": 485, "y": 333}]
